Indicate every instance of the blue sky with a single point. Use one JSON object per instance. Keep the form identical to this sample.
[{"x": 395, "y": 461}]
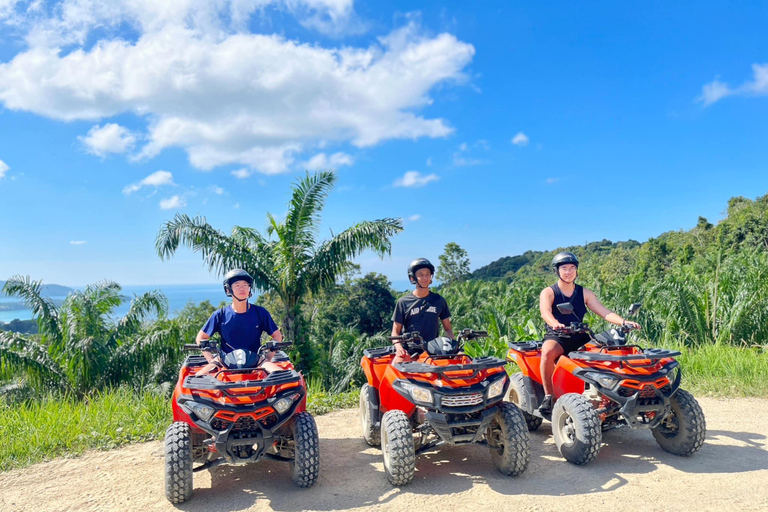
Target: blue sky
[{"x": 502, "y": 127}]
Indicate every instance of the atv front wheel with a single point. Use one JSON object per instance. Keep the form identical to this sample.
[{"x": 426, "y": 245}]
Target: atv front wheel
[
  {"x": 306, "y": 463},
  {"x": 683, "y": 430},
  {"x": 518, "y": 395},
  {"x": 508, "y": 440},
  {"x": 178, "y": 462},
  {"x": 371, "y": 434},
  {"x": 397, "y": 447},
  {"x": 576, "y": 429}
]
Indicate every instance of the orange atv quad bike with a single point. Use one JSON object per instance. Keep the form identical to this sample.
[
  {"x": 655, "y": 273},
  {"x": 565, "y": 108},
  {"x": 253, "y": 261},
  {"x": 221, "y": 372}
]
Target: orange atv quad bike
[
  {"x": 239, "y": 415},
  {"x": 605, "y": 385},
  {"x": 443, "y": 397}
]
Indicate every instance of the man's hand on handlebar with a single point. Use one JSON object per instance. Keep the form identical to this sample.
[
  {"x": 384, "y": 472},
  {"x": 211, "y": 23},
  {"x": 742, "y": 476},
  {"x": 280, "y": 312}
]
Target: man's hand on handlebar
[
  {"x": 631, "y": 325},
  {"x": 400, "y": 350}
]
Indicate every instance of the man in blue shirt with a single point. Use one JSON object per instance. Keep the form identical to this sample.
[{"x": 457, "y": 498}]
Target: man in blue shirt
[{"x": 240, "y": 324}]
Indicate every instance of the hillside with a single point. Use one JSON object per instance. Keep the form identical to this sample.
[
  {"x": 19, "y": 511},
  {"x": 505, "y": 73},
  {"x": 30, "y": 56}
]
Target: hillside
[{"x": 744, "y": 227}]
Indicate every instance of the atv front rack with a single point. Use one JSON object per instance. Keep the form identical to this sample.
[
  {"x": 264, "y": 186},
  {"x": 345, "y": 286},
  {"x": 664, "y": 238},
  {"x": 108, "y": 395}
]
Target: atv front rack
[
  {"x": 653, "y": 354},
  {"x": 208, "y": 382},
  {"x": 373, "y": 353},
  {"x": 481, "y": 363},
  {"x": 525, "y": 346}
]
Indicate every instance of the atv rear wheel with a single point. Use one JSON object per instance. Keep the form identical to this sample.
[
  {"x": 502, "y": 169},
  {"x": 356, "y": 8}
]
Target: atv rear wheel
[
  {"x": 508, "y": 440},
  {"x": 178, "y": 462},
  {"x": 518, "y": 395},
  {"x": 306, "y": 463},
  {"x": 683, "y": 430},
  {"x": 371, "y": 434},
  {"x": 397, "y": 447},
  {"x": 576, "y": 429}
]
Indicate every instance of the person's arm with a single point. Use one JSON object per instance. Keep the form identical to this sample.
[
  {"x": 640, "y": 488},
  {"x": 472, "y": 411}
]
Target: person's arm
[
  {"x": 590, "y": 299},
  {"x": 546, "y": 297},
  {"x": 277, "y": 335},
  {"x": 207, "y": 354},
  {"x": 397, "y": 329},
  {"x": 447, "y": 327}
]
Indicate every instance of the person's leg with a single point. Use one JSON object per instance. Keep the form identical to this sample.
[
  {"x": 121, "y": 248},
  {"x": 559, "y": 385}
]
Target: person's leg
[
  {"x": 550, "y": 351},
  {"x": 269, "y": 366}
]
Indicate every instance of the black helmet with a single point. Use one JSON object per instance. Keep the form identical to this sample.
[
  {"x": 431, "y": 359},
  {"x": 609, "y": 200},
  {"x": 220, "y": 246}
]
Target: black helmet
[
  {"x": 237, "y": 274},
  {"x": 417, "y": 265},
  {"x": 563, "y": 258}
]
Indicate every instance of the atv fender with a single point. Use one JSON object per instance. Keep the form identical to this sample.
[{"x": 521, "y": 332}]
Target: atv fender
[{"x": 534, "y": 395}]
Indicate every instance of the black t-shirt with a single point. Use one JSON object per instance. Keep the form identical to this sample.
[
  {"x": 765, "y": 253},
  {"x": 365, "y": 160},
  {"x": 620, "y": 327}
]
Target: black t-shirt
[
  {"x": 579, "y": 309},
  {"x": 421, "y": 314}
]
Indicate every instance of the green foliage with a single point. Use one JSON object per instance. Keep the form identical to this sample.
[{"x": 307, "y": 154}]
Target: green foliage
[
  {"x": 80, "y": 347},
  {"x": 61, "y": 424},
  {"x": 289, "y": 262},
  {"x": 454, "y": 264}
]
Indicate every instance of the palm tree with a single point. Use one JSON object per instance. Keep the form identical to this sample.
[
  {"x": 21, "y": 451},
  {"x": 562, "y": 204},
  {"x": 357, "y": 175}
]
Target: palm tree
[
  {"x": 289, "y": 261},
  {"x": 80, "y": 348}
]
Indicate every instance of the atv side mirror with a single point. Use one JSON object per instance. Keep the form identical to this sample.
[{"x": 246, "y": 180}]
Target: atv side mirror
[
  {"x": 634, "y": 308},
  {"x": 565, "y": 308}
]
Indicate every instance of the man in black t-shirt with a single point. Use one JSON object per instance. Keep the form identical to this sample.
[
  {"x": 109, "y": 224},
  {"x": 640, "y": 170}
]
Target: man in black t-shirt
[{"x": 421, "y": 310}]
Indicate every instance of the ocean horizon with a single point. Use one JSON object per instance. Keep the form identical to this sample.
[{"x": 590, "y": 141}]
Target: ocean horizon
[{"x": 178, "y": 295}]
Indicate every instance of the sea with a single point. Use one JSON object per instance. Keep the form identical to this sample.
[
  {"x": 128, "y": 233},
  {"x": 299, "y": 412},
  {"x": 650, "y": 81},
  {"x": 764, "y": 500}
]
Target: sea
[{"x": 178, "y": 296}]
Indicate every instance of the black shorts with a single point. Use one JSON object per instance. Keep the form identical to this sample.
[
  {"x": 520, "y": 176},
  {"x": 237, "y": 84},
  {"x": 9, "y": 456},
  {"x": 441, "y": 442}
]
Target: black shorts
[{"x": 569, "y": 343}]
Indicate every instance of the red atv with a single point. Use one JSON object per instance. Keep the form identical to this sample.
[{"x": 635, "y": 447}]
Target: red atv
[
  {"x": 239, "y": 415},
  {"x": 441, "y": 398},
  {"x": 605, "y": 385}
]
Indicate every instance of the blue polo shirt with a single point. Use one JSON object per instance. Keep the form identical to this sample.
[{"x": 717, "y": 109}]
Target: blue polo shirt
[{"x": 240, "y": 330}]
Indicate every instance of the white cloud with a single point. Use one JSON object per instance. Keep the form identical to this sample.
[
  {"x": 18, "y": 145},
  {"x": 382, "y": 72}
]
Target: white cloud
[
  {"x": 717, "y": 90},
  {"x": 226, "y": 96},
  {"x": 429, "y": 162},
  {"x": 241, "y": 173},
  {"x": 111, "y": 138},
  {"x": 550, "y": 181},
  {"x": 156, "y": 179},
  {"x": 415, "y": 179},
  {"x": 461, "y": 157},
  {"x": 414, "y": 218},
  {"x": 3, "y": 169},
  {"x": 217, "y": 190},
  {"x": 172, "y": 203},
  {"x": 78, "y": 242},
  {"x": 323, "y": 161},
  {"x": 520, "y": 139}
]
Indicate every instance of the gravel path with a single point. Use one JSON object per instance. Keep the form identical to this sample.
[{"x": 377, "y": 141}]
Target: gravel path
[{"x": 631, "y": 473}]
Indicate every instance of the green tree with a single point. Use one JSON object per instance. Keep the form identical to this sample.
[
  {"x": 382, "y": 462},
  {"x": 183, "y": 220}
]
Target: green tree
[
  {"x": 454, "y": 264},
  {"x": 80, "y": 347},
  {"x": 288, "y": 261}
]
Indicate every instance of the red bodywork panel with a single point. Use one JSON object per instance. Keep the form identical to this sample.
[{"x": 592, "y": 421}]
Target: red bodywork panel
[
  {"x": 239, "y": 396},
  {"x": 381, "y": 374},
  {"x": 563, "y": 379}
]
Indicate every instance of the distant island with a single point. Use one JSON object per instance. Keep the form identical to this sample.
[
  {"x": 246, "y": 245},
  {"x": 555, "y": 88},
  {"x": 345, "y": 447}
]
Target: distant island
[{"x": 48, "y": 290}]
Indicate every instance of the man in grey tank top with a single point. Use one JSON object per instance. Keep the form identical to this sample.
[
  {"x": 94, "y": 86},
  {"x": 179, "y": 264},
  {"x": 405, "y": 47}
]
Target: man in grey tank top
[{"x": 566, "y": 267}]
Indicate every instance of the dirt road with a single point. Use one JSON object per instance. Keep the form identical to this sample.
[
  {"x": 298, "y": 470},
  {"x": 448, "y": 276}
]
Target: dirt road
[{"x": 631, "y": 473}]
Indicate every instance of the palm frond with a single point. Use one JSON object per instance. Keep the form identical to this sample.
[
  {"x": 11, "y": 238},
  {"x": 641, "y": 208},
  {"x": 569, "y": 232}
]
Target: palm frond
[
  {"x": 303, "y": 216},
  {"x": 220, "y": 252},
  {"x": 142, "y": 306},
  {"x": 27, "y": 358},
  {"x": 331, "y": 258},
  {"x": 43, "y": 308}
]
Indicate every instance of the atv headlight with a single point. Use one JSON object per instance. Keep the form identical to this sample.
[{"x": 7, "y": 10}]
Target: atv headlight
[
  {"x": 418, "y": 393},
  {"x": 497, "y": 387},
  {"x": 204, "y": 412},
  {"x": 606, "y": 381},
  {"x": 284, "y": 403}
]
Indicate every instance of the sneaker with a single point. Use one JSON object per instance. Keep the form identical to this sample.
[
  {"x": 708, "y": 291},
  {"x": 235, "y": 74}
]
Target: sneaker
[{"x": 546, "y": 405}]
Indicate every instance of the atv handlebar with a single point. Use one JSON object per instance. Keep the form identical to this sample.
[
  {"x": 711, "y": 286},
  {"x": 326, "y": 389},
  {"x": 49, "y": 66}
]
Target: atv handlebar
[
  {"x": 408, "y": 337},
  {"x": 575, "y": 328},
  {"x": 272, "y": 346},
  {"x": 203, "y": 346},
  {"x": 469, "y": 334}
]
